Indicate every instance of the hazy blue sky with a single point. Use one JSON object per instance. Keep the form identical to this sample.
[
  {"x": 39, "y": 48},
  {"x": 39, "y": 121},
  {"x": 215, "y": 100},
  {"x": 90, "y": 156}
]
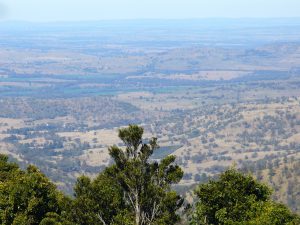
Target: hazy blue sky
[{"x": 70, "y": 10}]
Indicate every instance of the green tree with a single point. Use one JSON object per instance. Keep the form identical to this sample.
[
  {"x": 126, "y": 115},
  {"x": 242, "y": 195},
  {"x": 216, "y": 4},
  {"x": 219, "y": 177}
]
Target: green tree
[
  {"x": 26, "y": 196},
  {"x": 146, "y": 184},
  {"x": 238, "y": 199},
  {"x": 134, "y": 190},
  {"x": 272, "y": 213},
  {"x": 97, "y": 202},
  {"x": 7, "y": 170}
]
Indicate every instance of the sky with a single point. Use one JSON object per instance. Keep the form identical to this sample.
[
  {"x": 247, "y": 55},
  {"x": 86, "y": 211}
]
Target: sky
[{"x": 85, "y": 10}]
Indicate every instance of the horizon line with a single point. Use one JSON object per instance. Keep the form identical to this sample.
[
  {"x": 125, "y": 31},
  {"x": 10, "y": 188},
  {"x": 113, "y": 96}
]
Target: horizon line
[{"x": 148, "y": 19}]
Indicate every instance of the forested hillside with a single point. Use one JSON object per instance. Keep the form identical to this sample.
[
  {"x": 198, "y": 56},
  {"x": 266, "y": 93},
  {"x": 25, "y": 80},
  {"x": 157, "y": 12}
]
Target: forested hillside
[{"x": 136, "y": 190}]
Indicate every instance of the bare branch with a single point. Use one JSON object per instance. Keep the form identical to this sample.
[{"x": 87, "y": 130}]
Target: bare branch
[{"x": 101, "y": 219}]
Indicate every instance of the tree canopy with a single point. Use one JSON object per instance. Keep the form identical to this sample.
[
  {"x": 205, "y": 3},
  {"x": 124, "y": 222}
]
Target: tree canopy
[
  {"x": 235, "y": 198},
  {"x": 135, "y": 190},
  {"x": 26, "y": 197}
]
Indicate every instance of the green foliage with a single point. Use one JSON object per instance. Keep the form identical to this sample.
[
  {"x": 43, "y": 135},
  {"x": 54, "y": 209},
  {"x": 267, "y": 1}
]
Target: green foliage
[
  {"x": 236, "y": 198},
  {"x": 6, "y": 169},
  {"x": 146, "y": 184},
  {"x": 96, "y": 201},
  {"x": 272, "y": 213},
  {"x": 25, "y": 196},
  {"x": 135, "y": 190}
]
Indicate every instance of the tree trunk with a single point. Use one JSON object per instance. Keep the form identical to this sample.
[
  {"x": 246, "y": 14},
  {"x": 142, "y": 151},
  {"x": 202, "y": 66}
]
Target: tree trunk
[{"x": 137, "y": 211}]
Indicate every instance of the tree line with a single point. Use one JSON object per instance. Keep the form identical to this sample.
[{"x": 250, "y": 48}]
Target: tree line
[{"x": 136, "y": 190}]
